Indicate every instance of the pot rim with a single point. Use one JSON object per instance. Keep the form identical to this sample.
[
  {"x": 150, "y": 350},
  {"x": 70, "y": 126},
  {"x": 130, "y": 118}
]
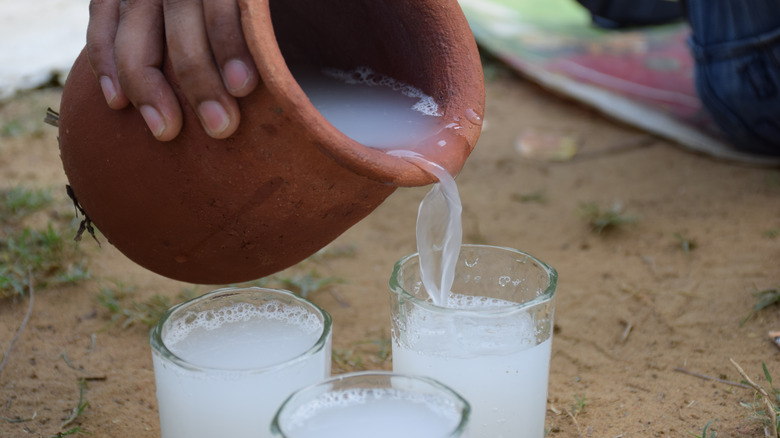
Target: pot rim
[{"x": 369, "y": 162}]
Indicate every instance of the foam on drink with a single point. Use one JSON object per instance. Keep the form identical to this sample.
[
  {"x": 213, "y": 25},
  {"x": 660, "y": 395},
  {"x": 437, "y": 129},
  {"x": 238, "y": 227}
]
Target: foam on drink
[
  {"x": 376, "y": 412},
  {"x": 227, "y": 338},
  {"x": 235, "y": 365},
  {"x": 366, "y": 76}
]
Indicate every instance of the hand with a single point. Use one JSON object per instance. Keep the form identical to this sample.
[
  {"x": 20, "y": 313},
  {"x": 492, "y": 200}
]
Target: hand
[{"x": 127, "y": 41}]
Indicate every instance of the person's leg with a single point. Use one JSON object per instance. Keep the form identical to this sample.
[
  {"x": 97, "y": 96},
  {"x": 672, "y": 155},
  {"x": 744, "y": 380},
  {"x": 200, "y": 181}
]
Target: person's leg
[
  {"x": 736, "y": 45},
  {"x": 616, "y": 14}
]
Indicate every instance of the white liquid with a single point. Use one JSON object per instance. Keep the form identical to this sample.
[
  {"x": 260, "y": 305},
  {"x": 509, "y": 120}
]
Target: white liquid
[
  {"x": 504, "y": 377},
  {"x": 439, "y": 233},
  {"x": 378, "y": 413},
  {"x": 381, "y": 112},
  {"x": 373, "y": 110},
  {"x": 229, "y": 398}
]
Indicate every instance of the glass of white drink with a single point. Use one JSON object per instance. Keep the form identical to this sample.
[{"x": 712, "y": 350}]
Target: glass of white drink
[
  {"x": 491, "y": 342},
  {"x": 224, "y": 362},
  {"x": 376, "y": 404}
]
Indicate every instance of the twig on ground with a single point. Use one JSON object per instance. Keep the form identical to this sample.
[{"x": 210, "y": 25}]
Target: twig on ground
[
  {"x": 100, "y": 378},
  {"x": 22, "y": 325},
  {"x": 714, "y": 379},
  {"x": 17, "y": 420},
  {"x": 338, "y": 297},
  {"x": 626, "y": 332},
  {"x": 576, "y": 423},
  {"x": 770, "y": 409},
  {"x": 64, "y": 356}
]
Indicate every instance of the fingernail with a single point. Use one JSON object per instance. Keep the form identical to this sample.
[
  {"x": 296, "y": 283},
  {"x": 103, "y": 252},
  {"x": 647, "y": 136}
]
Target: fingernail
[
  {"x": 153, "y": 120},
  {"x": 237, "y": 75},
  {"x": 109, "y": 92},
  {"x": 214, "y": 117}
]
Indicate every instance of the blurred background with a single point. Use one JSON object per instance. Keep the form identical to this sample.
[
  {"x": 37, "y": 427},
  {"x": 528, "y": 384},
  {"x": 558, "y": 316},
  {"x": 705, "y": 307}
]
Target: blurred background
[{"x": 39, "y": 40}]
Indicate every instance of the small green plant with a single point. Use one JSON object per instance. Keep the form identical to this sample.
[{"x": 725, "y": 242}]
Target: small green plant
[
  {"x": 772, "y": 233},
  {"x": 119, "y": 302},
  {"x": 75, "y": 413},
  {"x": 605, "y": 220},
  {"x": 42, "y": 252},
  {"x": 579, "y": 404},
  {"x": 576, "y": 409},
  {"x": 764, "y": 299},
  {"x": 713, "y": 434},
  {"x": 333, "y": 252},
  {"x": 19, "y": 202},
  {"x": 72, "y": 431},
  {"x": 766, "y": 408},
  {"x": 687, "y": 244},
  {"x": 29, "y": 124},
  {"x": 27, "y": 251},
  {"x": 308, "y": 283},
  {"x": 12, "y": 129},
  {"x": 347, "y": 359},
  {"x": 353, "y": 358},
  {"x": 771, "y": 400},
  {"x": 539, "y": 196}
]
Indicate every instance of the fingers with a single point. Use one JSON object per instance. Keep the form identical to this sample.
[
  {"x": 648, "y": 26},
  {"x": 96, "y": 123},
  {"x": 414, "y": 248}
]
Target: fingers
[
  {"x": 138, "y": 49},
  {"x": 198, "y": 75},
  {"x": 101, "y": 32},
  {"x": 126, "y": 43},
  {"x": 223, "y": 23}
]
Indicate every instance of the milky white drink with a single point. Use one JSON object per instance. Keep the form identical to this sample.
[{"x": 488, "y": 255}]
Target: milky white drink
[
  {"x": 224, "y": 367},
  {"x": 508, "y": 392},
  {"x": 493, "y": 351},
  {"x": 372, "y": 109},
  {"x": 505, "y": 380},
  {"x": 376, "y": 410}
]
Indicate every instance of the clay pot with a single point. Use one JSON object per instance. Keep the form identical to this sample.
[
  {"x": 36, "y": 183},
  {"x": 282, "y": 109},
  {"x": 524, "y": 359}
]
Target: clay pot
[{"x": 287, "y": 183}]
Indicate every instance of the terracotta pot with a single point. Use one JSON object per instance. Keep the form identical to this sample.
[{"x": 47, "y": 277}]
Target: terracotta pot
[{"x": 287, "y": 183}]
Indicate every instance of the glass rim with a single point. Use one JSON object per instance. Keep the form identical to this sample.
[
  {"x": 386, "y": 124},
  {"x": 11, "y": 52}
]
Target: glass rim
[
  {"x": 547, "y": 295},
  {"x": 465, "y": 410},
  {"x": 159, "y": 347}
]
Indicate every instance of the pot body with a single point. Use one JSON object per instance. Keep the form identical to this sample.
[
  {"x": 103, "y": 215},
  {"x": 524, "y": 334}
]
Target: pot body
[{"x": 287, "y": 182}]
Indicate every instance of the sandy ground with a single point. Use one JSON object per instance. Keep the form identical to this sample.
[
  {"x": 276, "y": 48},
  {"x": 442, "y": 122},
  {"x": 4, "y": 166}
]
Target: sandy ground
[{"x": 633, "y": 308}]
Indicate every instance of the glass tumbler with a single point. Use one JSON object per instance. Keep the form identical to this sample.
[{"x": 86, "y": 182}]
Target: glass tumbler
[
  {"x": 492, "y": 340},
  {"x": 225, "y": 361}
]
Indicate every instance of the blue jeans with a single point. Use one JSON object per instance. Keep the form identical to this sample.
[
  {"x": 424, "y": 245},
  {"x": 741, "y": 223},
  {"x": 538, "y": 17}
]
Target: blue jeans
[{"x": 736, "y": 45}]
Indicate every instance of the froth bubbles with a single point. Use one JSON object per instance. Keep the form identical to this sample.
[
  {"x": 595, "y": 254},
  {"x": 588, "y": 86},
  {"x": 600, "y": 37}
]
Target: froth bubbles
[
  {"x": 372, "y": 109},
  {"x": 373, "y": 404},
  {"x": 224, "y": 362}
]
